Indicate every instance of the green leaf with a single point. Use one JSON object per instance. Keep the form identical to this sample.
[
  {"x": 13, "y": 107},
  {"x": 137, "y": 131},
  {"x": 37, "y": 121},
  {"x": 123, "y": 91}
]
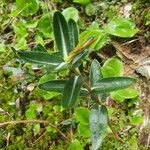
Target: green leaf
[
  {"x": 113, "y": 67},
  {"x": 28, "y": 7},
  {"x": 45, "y": 25},
  {"x": 82, "y": 2},
  {"x": 84, "y": 92},
  {"x": 53, "y": 86},
  {"x": 112, "y": 84},
  {"x": 75, "y": 145},
  {"x": 71, "y": 13},
  {"x": 84, "y": 130},
  {"x": 36, "y": 129},
  {"x": 98, "y": 125},
  {"x": 95, "y": 72},
  {"x": 61, "y": 34},
  {"x": 74, "y": 33},
  {"x": 31, "y": 112},
  {"x": 2, "y": 48},
  {"x": 40, "y": 57},
  {"x": 136, "y": 120},
  {"x": 101, "y": 37},
  {"x": 82, "y": 115},
  {"x": 95, "y": 76},
  {"x": 40, "y": 48},
  {"x": 90, "y": 9},
  {"x": 76, "y": 62},
  {"x": 20, "y": 30},
  {"x": 71, "y": 91},
  {"x": 121, "y": 95},
  {"x": 121, "y": 27},
  {"x": 58, "y": 86},
  {"x": 44, "y": 93}
]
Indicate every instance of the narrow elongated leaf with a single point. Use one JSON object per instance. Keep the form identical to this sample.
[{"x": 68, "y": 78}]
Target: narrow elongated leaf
[
  {"x": 40, "y": 48},
  {"x": 84, "y": 92},
  {"x": 95, "y": 72},
  {"x": 112, "y": 84},
  {"x": 53, "y": 86},
  {"x": 58, "y": 86},
  {"x": 40, "y": 57},
  {"x": 61, "y": 34},
  {"x": 95, "y": 76},
  {"x": 98, "y": 125},
  {"x": 74, "y": 33},
  {"x": 78, "y": 59},
  {"x": 71, "y": 91}
]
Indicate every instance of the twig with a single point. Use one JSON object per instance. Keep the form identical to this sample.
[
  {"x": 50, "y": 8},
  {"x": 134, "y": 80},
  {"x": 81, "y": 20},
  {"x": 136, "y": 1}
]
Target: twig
[
  {"x": 115, "y": 134},
  {"x": 39, "y": 137},
  {"x": 34, "y": 121},
  {"x": 131, "y": 41},
  {"x": 22, "y": 122}
]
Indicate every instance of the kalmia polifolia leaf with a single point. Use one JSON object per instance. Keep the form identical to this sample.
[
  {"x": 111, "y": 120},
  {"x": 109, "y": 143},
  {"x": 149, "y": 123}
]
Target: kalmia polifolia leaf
[
  {"x": 71, "y": 91},
  {"x": 98, "y": 125}
]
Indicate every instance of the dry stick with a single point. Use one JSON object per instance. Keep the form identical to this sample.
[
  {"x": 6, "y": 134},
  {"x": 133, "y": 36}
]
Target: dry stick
[
  {"x": 39, "y": 137},
  {"x": 34, "y": 121},
  {"x": 131, "y": 41},
  {"x": 115, "y": 134}
]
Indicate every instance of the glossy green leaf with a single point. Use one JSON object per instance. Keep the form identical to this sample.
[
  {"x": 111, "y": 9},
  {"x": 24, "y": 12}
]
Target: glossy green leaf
[
  {"x": 76, "y": 62},
  {"x": 53, "y": 86},
  {"x": 84, "y": 92},
  {"x": 121, "y": 95},
  {"x": 95, "y": 72},
  {"x": 71, "y": 13},
  {"x": 82, "y": 2},
  {"x": 101, "y": 38},
  {"x": 74, "y": 33},
  {"x": 121, "y": 27},
  {"x": 75, "y": 145},
  {"x": 45, "y": 25},
  {"x": 98, "y": 125},
  {"x": 27, "y": 7},
  {"x": 113, "y": 67},
  {"x": 40, "y": 48},
  {"x": 58, "y": 86},
  {"x": 40, "y": 57},
  {"x": 71, "y": 91},
  {"x": 106, "y": 85},
  {"x": 61, "y": 34},
  {"x": 84, "y": 130},
  {"x": 82, "y": 115}
]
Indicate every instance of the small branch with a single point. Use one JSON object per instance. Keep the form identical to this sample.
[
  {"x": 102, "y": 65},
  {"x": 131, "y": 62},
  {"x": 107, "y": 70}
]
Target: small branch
[
  {"x": 115, "y": 134},
  {"x": 3, "y": 124},
  {"x": 131, "y": 41},
  {"x": 22, "y": 122}
]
